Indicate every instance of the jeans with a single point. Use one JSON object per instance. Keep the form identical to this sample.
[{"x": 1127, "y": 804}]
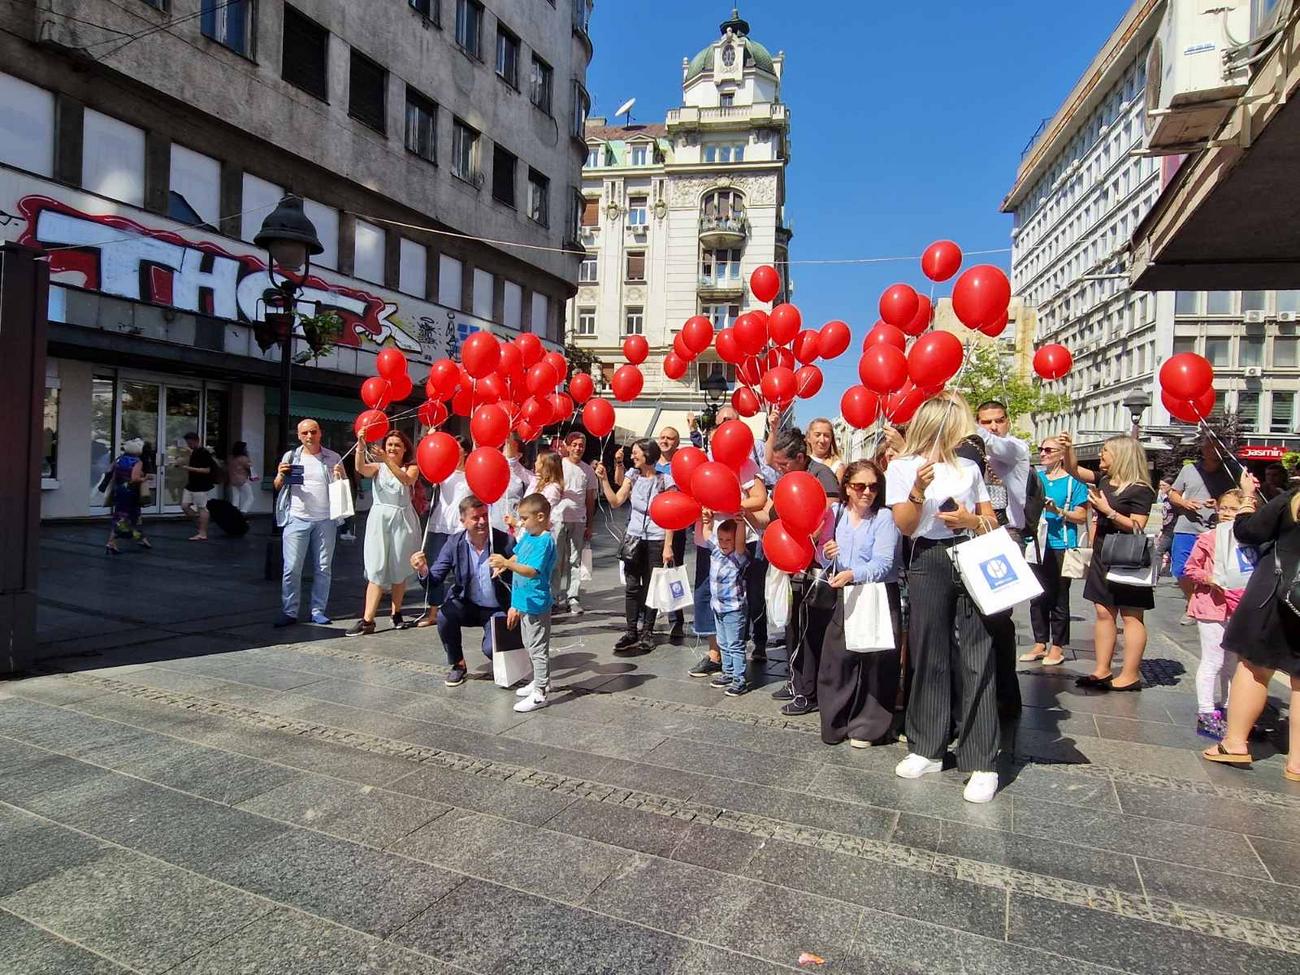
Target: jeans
[
  {"x": 454, "y": 614},
  {"x": 732, "y": 626},
  {"x": 704, "y": 623},
  {"x": 300, "y": 538},
  {"x": 536, "y": 633}
]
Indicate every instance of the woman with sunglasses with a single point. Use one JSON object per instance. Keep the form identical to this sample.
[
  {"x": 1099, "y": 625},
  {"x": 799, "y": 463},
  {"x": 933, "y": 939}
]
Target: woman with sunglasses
[
  {"x": 857, "y": 691},
  {"x": 1065, "y": 513}
]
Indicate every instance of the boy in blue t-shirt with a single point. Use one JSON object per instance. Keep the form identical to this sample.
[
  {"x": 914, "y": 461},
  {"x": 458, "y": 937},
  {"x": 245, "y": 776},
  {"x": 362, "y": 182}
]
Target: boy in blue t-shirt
[{"x": 530, "y": 596}]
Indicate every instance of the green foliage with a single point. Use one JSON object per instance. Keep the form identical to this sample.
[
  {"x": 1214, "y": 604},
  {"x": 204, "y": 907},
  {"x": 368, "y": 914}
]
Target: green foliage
[
  {"x": 580, "y": 359},
  {"x": 1290, "y": 460},
  {"x": 988, "y": 374},
  {"x": 322, "y": 331}
]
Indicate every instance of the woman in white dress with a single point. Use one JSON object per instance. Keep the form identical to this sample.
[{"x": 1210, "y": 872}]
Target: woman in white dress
[{"x": 392, "y": 530}]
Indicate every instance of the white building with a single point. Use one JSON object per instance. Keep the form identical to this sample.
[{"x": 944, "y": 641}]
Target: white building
[{"x": 677, "y": 215}]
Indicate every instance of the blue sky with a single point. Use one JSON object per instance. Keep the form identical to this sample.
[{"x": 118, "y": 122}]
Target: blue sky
[{"x": 908, "y": 121}]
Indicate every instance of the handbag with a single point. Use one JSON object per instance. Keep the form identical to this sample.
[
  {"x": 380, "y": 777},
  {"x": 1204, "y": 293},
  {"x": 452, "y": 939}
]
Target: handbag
[
  {"x": 819, "y": 593},
  {"x": 632, "y": 549},
  {"x": 867, "y": 624},
  {"x": 1075, "y": 562},
  {"x": 1126, "y": 550},
  {"x": 776, "y": 594},
  {"x": 669, "y": 590},
  {"x": 341, "y": 505},
  {"x": 1288, "y": 593},
  {"x": 994, "y": 571}
]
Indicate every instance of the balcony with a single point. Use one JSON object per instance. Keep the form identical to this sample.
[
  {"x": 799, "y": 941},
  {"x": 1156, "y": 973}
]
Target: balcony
[
  {"x": 720, "y": 288},
  {"x": 721, "y": 232},
  {"x": 762, "y": 113}
]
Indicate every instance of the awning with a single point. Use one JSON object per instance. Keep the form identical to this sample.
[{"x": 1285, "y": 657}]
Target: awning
[{"x": 318, "y": 406}]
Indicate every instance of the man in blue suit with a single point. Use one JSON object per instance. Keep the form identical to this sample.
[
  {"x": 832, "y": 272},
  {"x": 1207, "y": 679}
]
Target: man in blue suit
[{"x": 473, "y": 596}]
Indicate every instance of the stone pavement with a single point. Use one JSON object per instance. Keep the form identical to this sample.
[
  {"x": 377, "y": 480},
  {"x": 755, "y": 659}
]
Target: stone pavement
[{"x": 188, "y": 790}]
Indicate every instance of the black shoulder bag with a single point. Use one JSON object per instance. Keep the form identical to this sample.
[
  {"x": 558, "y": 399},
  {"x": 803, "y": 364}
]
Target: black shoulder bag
[
  {"x": 1288, "y": 592},
  {"x": 820, "y": 594},
  {"x": 1130, "y": 551},
  {"x": 632, "y": 549}
]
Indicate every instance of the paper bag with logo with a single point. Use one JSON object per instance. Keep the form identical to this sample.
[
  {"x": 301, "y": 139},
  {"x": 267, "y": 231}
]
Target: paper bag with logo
[
  {"x": 1233, "y": 562},
  {"x": 670, "y": 589},
  {"x": 994, "y": 572}
]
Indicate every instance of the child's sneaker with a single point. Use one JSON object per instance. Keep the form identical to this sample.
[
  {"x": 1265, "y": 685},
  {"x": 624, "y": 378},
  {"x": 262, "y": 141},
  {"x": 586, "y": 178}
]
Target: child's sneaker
[
  {"x": 526, "y": 689},
  {"x": 736, "y": 688},
  {"x": 720, "y": 680},
  {"x": 1210, "y": 724},
  {"x": 531, "y": 703}
]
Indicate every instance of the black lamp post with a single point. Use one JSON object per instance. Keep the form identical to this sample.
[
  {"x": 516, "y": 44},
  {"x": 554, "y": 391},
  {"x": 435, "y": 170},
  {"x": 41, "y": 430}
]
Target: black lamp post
[
  {"x": 714, "y": 387},
  {"x": 1136, "y": 403}
]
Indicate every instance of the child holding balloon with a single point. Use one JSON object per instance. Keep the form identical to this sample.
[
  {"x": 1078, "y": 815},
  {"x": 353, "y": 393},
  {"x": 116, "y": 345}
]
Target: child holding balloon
[{"x": 728, "y": 599}]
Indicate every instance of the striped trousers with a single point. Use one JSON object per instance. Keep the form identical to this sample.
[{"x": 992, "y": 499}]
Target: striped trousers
[{"x": 954, "y": 691}]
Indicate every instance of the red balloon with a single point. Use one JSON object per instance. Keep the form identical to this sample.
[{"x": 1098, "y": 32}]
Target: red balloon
[
  {"x": 437, "y": 456},
  {"x": 390, "y": 363},
  {"x": 716, "y": 487},
  {"x": 490, "y": 426},
  {"x": 751, "y": 333},
  {"x": 921, "y": 320},
  {"x": 783, "y": 324},
  {"x": 674, "y": 511},
  {"x": 779, "y": 385},
  {"x": 581, "y": 386},
  {"x": 488, "y": 473},
  {"x": 806, "y": 346},
  {"x": 627, "y": 383},
  {"x": 833, "y": 339},
  {"x": 981, "y": 296},
  {"x": 561, "y": 407},
  {"x": 400, "y": 388},
  {"x": 883, "y": 369},
  {"x": 934, "y": 358},
  {"x": 674, "y": 366},
  {"x": 729, "y": 349},
  {"x": 745, "y": 401},
  {"x": 1052, "y": 361},
  {"x": 537, "y": 410},
  {"x": 941, "y": 260},
  {"x": 682, "y": 350},
  {"x": 491, "y": 389},
  {"x": 901, "y": 406},
  {"x": 542, "y": 379},
  {"x": 732, "y": 443},
  {"x": 559, "y": 365},
  {"x": 598, "y": 417},
  {"x": 808, "y": 381},
  {"x": 765, "y": 283},
  {"x": 788, "y": 552},
  {"x": 481, "y": 354},
  {"x": 527, "y": 432},
  {"x": 898, "y": 305},
  {"x": 780, "y": 356},
  {"x": 994, "y": 329},
  {"x": 635, "y": 349},
  {"x": 512, "y": 361},
  {"x": 859, "y": 406},
  {"x": 1190, "y": 411},
  {"x": 882, "y": 333},
  {"x": 750, "y": 372},
  {"x": 433, "y": 413},
  {"x": 371, "y": 425},
  {"x": 444, "y": 380},
  {"x": 375, "y": 392},
  {"x": 1186, "y": 376},
  {"x": 800, "y": 502},
  {"x": 530, "y": 349},
  {"x": 686, "y": 461},
  {"x": 697, "y": 333}
]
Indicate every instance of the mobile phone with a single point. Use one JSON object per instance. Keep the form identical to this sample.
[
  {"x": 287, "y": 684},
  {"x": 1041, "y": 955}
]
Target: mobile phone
[{"x": 949, "y": 505}]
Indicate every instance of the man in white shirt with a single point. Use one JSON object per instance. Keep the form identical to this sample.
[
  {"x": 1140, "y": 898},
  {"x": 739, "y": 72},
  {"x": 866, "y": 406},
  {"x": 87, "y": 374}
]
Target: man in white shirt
[
  {"x": 579, "y": 515},
  {"x": 302, "y": 510}
]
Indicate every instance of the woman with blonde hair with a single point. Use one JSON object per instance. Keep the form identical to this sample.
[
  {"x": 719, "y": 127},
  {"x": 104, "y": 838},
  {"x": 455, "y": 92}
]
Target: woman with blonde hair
[
  {"x": 1122, "y": 496},
  {"x": 938, "y": 499},
  {"x": 819, "y": 439}
]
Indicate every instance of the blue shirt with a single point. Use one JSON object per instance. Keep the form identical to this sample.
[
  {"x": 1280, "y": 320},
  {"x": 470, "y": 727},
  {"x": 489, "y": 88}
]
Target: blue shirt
[
  {"x": 871, "y": 549},
  {"x": 533, "y": 596},
  {"x": 1068, "y": 494},
  {"x": 644, "y": 490},
  {"x": 727, "y": 578},
  {"x": 480, "y": 588}
]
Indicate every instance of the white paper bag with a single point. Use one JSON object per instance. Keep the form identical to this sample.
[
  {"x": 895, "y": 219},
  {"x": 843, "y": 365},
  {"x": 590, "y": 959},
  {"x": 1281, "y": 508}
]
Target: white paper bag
[
  {"x": 670, "y": 589},
  {"x": 1145, "y": 578},
  {"x": 867, "y": 626},
  {"x": 509, "y": 667},
  {"x": 994, "y": 572},
  {"x": 1075, "y": 562},
  {"x": 776, "y": 593},
  {"x": 1233, "y": 562},
  {"x": 341, "y": 499}
]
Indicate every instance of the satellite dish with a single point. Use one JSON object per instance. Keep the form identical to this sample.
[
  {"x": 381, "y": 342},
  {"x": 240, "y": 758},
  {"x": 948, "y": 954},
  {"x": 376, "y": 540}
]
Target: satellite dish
[{"x": 626, "y": 110}]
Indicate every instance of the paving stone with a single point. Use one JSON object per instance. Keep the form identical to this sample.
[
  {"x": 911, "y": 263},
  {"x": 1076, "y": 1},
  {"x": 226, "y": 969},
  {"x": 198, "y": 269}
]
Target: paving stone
[
  {"x": 799, "y": 808},
  {"x": 1210, "y": 888},
  {"x": 35, "y": 849},
  {"x": 752, "y": 766},
  {"x": 777, "y": 924},
  {"x": 725, "y": 850},
  {"x": 888, "y": 791},
  {"x": 1215, "y": 811},
  {"x": 27, "y": 950},
  {"x": 622, "y": 826},
  {"x": 675, "y": 897},
  {"x": 360, "y": 813},
  {"x": 1282, "y": 860},
  {"x": 483, "y": 794}
]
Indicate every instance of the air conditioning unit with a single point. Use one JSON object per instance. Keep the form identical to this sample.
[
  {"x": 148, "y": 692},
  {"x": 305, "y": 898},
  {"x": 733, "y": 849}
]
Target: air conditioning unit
[
  {"x": 1286, "y": 316},
  {"x": 1252, "y": 372},
  {"x": 1254, "y": 317},
  {"x": 1190, "y": 90}
]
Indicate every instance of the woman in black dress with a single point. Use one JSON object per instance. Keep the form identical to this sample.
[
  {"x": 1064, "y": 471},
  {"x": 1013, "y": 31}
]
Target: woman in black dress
[
  {"x": 1264, "y": 632},
  {"x": 1122, "y": 496}
]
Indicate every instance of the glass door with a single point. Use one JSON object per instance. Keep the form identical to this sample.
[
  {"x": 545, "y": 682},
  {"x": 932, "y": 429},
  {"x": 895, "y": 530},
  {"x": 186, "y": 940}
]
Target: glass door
[
  {"x": 139, "y": 408},
  {"x": 182, "y": 414}
]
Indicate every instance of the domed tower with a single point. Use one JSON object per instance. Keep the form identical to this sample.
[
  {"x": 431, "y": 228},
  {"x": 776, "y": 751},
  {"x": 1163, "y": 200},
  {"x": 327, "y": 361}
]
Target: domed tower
[{"x": 733, "y": 70}]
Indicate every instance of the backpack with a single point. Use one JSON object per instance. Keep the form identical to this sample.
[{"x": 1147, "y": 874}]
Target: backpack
[{"x": 1035, "y": 502}]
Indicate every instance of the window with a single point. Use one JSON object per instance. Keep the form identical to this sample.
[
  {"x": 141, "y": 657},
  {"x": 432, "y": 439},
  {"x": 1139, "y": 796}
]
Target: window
[
  {"x": 464, "y": 153},
  {"x": 1288, "y": 301},
  {"x": 421, "y": 126},
  {"x": 730, "y": 152},
  {"x": 539, "y": 198},
  {"x": 260, "y": 198},
  {"x": 1220, "y": 302},
  {"x": 581, "y": 106},
  {"x": 640, "y": 154},
  {"x": 637, "y": 211},
  {"x": 1254, "y": 301},
  {"x": 413, "y": 267},
  {"x": 326, "y": 220},
  {"x": 228, "y": 22},
  {"x": 428, "y": 9},
  {"x": 26, "y": 126},
  {"x": 635, "y": 266},
  {"x": 1187, "y": 303},
  {"x": 586, "y": 321},
  {"x": 507, "y": 56},
  {"x": 305, "y": 54},
  {"x": 469, "y": 27},
  {"x": 589, "y": 269},
  {"x": 595, "y": 157},
  {"x": 541, "y": 320},
  {"x": 540, "y": 84},
  {"x": 719, "y": 267},
  {"x": 727, "y": 99},
  {"x": 1282, "y": 413},
  {"x": 113, "y": 160},
  {"x": 724, "y": 205},
  {"x": 722, "y": 316},
  {"x": 1252, "y": 350},
  {"x": 50, "y": 430},
  {"x": 1248, "y": 409},
  {"x": 195, "y": 187},
  {"x": 634, "y": 321},
  {"x": 1217, "y": 351},
  {"x": 503, "y": 176},
  {"x": 1284, "y": 352},
  {"x": 512, "y": 314},
  {"x": 590, "y": 212},
  {"x": 367, "y": 87},
  {"x": 1184, "y": 343},
  {"x": 368, "y": 263},
  {"x": 450, "y": 279},
  {"x": 483, "y": 285}
]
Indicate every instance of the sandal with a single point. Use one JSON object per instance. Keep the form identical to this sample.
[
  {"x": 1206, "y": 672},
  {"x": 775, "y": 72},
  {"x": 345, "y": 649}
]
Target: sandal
[
  {"x": 1289, "y": 775},
  {"x": 1049, "y": 662},
  {"x": 1222, "y": 756},
  {"x": 1031, "y": 657}
]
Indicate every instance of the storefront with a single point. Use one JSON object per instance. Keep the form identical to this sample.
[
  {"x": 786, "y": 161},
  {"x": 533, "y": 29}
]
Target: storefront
[{"x": 1259, "y": 455}]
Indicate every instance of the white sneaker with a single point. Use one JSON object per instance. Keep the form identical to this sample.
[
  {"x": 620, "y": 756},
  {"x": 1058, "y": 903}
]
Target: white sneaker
[
  {"x": 915, "y": 766},
  {"x": 575, "y": 608},
  {"x": 982, "y": 787},
  {"x": 526, "y": 689},
  {"x": 534, "y": 701}
]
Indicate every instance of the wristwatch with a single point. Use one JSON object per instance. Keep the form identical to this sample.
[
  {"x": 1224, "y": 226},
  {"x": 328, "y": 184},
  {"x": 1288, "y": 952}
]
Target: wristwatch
[{"x": 911, "y": 496}]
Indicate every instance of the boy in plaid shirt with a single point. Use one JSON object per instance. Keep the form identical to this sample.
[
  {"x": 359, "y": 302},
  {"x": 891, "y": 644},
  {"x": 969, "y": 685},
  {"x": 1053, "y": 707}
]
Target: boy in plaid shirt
[{"x": 727, "y": 565}]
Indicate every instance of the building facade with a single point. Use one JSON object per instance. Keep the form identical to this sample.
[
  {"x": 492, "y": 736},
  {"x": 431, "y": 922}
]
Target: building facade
[
  {"x": 142, "y": 144},
  {"x": 676, "y": 215}
]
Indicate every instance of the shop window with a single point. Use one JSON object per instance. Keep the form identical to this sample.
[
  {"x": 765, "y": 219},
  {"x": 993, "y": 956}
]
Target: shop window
[
  {"x": 26, "y": 126},
  {"x": 103, "y": 421},
  {"x": 113, "y": 158},
  {"x": 195, "y": 188}
]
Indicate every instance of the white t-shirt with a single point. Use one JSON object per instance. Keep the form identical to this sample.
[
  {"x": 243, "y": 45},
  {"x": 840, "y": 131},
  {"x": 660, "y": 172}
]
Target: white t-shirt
[
  {"x": 310, "y": 500},
  {"x": 445, "y": 516},
  {"x": 748, "y": 478},
  {"x": 961, "y": 482},
  {"x": 579, "y": 479}
]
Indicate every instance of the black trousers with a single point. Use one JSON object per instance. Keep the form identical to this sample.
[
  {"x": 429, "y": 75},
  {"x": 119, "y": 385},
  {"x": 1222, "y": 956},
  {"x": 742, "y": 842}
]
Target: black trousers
[
  {"x": 856, "y": 692},
  {"x": 755, "y": 579},
  {"x": 637, "y": 574},
  {"x": 805, "y": 632},
  {"x": 1002, "y": 627},
  {"x": 1050, "y": 612},
  {"x": 955, "y": 672},
  {"x": 677, "y": 617}
]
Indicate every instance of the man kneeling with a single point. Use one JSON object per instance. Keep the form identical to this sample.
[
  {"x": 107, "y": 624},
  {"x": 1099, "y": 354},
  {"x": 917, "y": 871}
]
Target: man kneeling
[{"x": 473, "y": 595}]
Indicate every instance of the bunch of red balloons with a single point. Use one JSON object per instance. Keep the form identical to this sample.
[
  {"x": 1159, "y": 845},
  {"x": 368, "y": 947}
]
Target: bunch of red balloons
[
  {"x": 704, "y": 483},
  {"x": 1187, "y": 387},
  {"x": 392, "y": 384}
]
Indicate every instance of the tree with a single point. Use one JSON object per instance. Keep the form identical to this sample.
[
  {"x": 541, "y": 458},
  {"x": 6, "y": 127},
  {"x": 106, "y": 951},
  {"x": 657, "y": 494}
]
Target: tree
[
  {"x": 1226, "y": 426},
  {"x": 987, "y": 375}
]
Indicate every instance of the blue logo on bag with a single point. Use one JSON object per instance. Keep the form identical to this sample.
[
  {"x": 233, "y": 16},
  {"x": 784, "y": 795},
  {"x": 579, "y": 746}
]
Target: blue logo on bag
[
  {"x": 676, "y": 589},
  {"x": 1247, "y": 557},
  {"x": 998, "y": 572}
]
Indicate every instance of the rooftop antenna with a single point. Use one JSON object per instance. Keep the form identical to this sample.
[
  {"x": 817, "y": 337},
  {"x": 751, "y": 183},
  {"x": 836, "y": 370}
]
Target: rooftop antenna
[{"x": 626, "y": 111}]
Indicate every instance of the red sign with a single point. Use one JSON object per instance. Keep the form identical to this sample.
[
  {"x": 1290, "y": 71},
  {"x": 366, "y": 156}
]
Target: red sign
[{"x": 1261, "y": 453}]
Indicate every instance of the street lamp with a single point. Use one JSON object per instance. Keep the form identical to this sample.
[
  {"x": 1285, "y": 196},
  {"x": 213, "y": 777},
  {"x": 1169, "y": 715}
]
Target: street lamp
[
  {"x": 713, "y": 385},
  {"x": 1136, "y": 403}
]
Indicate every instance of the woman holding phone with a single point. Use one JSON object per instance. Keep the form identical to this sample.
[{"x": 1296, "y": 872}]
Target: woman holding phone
[{"x": 1065, "y": 515}]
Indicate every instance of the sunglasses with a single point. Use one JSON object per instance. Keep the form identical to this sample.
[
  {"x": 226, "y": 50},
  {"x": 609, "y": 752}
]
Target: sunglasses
[
  {"x": 1049, "y": 450},
  {"x": 860, "y": 487}
]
